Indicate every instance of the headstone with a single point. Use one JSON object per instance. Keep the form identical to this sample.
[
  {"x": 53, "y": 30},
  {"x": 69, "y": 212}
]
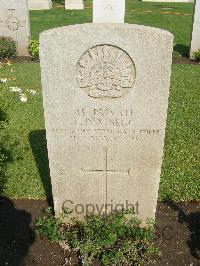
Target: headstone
[
  {"x": 39, "y": 4},
  {"x": 74, "y": 4},
  {"x": 108, "y": 11},
  {"x": 14, "y": 23},
  {"x": 105, "y": 102},
  {"x": 195, "y": 39}
]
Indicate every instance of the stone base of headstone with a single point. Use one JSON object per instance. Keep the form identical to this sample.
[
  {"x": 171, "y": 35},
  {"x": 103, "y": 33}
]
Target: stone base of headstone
[
  {"x": 74, "y": 4},
  {"x": 39, "y": 4},
  {"x": 195, "y": 45}
]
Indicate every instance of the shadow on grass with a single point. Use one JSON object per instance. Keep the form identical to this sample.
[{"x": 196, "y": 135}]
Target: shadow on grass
[
  {"x": 192, "y": 220},
  {"x": 38, "y": 144},
  {"x": 16, "y": 233},
  {"x": 59, "y": 2},
  {"x": 181, "y": 49}
]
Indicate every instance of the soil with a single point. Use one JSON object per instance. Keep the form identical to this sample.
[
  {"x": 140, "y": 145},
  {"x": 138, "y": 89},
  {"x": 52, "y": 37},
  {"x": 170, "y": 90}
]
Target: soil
[
  {"x": 23, "y": 59},
  {"x": 177, "y": 234},
  {"x": 184, "y": 60}
]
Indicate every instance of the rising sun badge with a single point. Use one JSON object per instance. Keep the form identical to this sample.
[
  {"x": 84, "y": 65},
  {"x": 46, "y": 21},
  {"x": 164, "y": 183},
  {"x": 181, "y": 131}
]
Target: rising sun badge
[{"x": 105, "y": 71}]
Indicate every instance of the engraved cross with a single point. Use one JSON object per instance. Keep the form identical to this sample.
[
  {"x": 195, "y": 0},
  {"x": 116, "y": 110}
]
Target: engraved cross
[{"x": 105, "y": 170}]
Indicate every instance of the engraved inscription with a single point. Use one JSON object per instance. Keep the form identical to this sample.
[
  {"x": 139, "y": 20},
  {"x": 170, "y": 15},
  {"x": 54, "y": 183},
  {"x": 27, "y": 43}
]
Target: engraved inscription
[
  {"x": 13, "y": 23},
  {"x": 105, "y": 71},
  {"x": 106, "y": 125},
  {"x": 107, "y": 134}
]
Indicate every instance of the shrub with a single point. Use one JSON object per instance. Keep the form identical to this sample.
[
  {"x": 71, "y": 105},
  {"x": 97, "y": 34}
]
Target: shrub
[
  {"x": 33, "y": 49},
  {"x": 7, "y": 48},
  {"x": 50, "y": 227},
  {"x": 115, "y": 239},
  {"x": 197, "y": 55}
]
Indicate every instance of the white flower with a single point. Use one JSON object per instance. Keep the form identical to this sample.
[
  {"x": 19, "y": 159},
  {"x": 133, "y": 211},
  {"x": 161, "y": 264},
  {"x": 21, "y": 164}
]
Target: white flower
[
  {"x": 16, "y": 89},
  {"x": 32, "y": 92},
  {"x": 23, "y": 98},
  {"x": 3, "y": 80}
]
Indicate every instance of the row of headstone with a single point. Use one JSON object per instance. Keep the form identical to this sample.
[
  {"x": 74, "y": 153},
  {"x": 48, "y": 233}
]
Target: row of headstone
[
  {"x": 14, "y": 18},
  {"x": 105, "y": 95},
  {"x": 47, "y": 4}
]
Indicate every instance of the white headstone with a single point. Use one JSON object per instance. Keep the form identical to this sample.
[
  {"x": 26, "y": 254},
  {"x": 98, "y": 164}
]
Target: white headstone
[
  {"x": 74, "y": 4},
  {"x": 105, "y": 101},
  {"x": 112, "y": 11},
  {"x": 14, "y": 23},
  {"x": 195, "y": 40},
  {"x": 39, "y": 4}
]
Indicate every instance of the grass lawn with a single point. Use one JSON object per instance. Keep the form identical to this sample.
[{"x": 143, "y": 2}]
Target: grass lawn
[
  {"x": 28, "y": 175},
  {"x": 147, "y": 13}
]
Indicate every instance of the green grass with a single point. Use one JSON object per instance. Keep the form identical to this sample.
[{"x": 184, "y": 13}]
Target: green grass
[
  {"x": 57, "y": 17},
  {"x": 28, "y": 174},
  {"x": 179, "y": 25},
  {"x": 180, "y": 179},
  {"x": 22, "y": 175}
]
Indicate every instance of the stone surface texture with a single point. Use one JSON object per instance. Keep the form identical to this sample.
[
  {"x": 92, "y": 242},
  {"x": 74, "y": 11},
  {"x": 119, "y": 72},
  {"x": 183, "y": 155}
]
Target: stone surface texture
[
  {"x": 39, "y": 4},
  {"x": 105, "y": 103},
  {"x": 195, "y": 39},
  {"x": 112, "y": 11},
  {"x": 74, "y": 4},
  {"x": 14, "y": 23}
]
